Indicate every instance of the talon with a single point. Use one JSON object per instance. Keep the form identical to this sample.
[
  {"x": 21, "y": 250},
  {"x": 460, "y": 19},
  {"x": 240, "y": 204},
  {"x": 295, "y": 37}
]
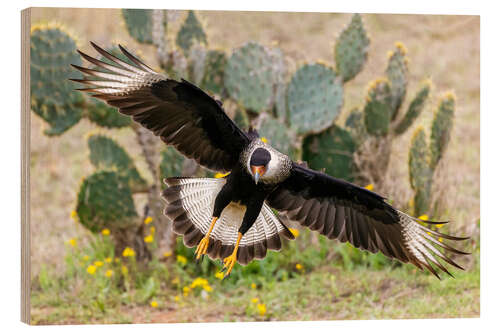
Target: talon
[
  {"x": 231, "y": 260},
  {"x": 202, "y": 247}
]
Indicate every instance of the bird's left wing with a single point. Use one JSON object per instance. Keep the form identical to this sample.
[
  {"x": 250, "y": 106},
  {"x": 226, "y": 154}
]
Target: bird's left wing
[
  {"x": 179, "y": 113},
  {"x": 338, "y": 209}
]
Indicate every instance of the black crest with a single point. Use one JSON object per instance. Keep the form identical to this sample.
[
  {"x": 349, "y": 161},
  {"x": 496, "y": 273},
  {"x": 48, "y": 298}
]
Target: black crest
[{"x": 260, "y": 156}]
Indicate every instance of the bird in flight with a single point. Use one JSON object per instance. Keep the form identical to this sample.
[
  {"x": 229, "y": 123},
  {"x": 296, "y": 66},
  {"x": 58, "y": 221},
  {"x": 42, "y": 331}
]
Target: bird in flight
[{"x": 232, "y": 217}]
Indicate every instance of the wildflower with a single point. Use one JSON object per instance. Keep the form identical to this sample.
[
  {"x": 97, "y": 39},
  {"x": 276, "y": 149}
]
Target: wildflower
[
  {"x": 128, "y": 252},
  {"x": 253, "y": 286},
  {"x": 177, "y": 298},
  {"x": 263, "y": 139},
  {"x": 85, "y": 258},
  {"x": 91, "y": 269},
  {"x": 108, "y": 260},
  {"x": 219, "y": 275},
  {"x": 221, "y": 175},
  {"x": 299, "y": 267},
  {"x": 148, "y": 220},
  {"x": 98, "y": 263},
  {"x": 440, "y": 239},
  {"x": 255, "y": 300},
  {"x": 262, "y": 309},
  {"x": 439, "y": 225},
  {"x": 295, "y": 232},
  {"x": 186, "y": 290},
  {"x": 72, "y": 242},
  {"x": 105, "y": 232},
  {"x": 167, "y": 254},
  {"x": 73, "y": 215},
  {"x": 176, "y": 281},
  {"x": 199, "y": 282},
  {"x": 124, "y": 270},
  {"x": 423, "y": 217},
  {"x": 148, "y": 239},
  {"x": 109, "y": 273},
  {"x": 154, "y": 304},
  {"x": 207, "y": 288},
  {"x": 369, "y": 187},
  {"x": 181, "y": 259},
  {"x": 152, "y": 229}
]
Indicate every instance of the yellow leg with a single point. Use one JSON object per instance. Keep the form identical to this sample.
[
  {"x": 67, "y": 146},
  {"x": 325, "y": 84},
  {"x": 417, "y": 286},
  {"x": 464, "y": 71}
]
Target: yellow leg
[
  {"x": 203, "y": 245},
  {"x": 231, "y": 260}
]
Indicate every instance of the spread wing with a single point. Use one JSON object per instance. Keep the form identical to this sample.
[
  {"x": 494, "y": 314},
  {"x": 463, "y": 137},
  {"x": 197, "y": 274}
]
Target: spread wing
[
  {"x": 179, "y": 113},
  {"x": 338, "y": 209}
]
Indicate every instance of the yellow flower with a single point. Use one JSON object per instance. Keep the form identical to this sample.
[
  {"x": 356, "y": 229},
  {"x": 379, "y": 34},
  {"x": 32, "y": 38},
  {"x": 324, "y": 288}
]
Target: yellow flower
[
  {"x": 181, "y": 259},
  {"x": 369, "y": 187},
  {"x": 108, "y": 260},
  {"x": 73, "y": 215},
  {"x": 117, "y": 260},
  {"x": 85, "y": 258},
  {"x": 219, "y": 275},
  {"x": 72, "y": 242},
  {"x": 299, "y": 267},
  {"x": 98, "y": 263},
  {"x": 253, "y": 286},
  {"x": 105, "y": 232},
  {"x": 91, "y": 269},
  {"x": 152, "y": 229},
  {"x": 128, "y": 252},
  {"x": 177, "y": 298},
  {"x": 148, "y": 239},
  {"x": 263, "y": 139},
  {"x": 186, "y": 290},
  {"x": 221, "y": 175},
  {"x": 176, "y": 281},
  {"x": 124, "y": 270},
  {"x": 440, "y": 239},
  {"x": 295, "y": 232},
  {"x": 148, "y": 220},
  {"x": 262, "y": 309},
  {"x": 423, "y": 217},
  {"x": 255, "y": 300},
  {"x": 154, "y": 304},
  {"x": 199, "y": 282},
  {"x": 167, "y": 254},
  {"x": 207, "y": 288},
  {"x": 439, "y": 225},
  {"x": 109, "y": 273}
]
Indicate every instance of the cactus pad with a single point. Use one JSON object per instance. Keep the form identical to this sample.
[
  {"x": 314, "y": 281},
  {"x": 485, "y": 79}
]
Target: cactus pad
[
  {"x": 315, "y": 97},
  {"x": 397, "y": 73},
  {"x": 105, "y": 201},
  {"x": 280, "y": 73},
  {"x": 420, "y": 172},
  {"x": 415, "y": 109},
  {"x": 171, "y": 163},
  {"x": 249, "y": 77},
  {"x": 196, "y": 63},
  {"x": 241, "y": 119},
  {"x": 279, "y": 136},
  {"x": 377, "y": 110},
  {"x": 107, "y": 116},
  {"x": 442, "y": 125},
  {"x": 355, "y": 124},
  {"x": 213, "y": 79},
  {"x": 190, "y": 31},
  {"x": 351, "y": 49},
  {"x": 53, "y": 97},
  {"x": 139, "y": 23},
  {"x": 331, "y": 150},
  {"x": 107, "y": 154}
]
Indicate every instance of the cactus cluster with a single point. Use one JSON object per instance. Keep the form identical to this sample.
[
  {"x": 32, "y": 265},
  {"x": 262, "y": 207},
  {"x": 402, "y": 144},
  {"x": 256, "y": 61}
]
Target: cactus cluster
[
  {"x": 296, "y": 111},
  {"x": 424, "y": 158}
]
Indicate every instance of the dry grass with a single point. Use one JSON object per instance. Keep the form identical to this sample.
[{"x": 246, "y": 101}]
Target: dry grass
[{"x": 445, "y": 48}]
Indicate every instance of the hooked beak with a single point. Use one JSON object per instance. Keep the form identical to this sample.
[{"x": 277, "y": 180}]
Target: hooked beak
[{"x": 258, "y": 171}]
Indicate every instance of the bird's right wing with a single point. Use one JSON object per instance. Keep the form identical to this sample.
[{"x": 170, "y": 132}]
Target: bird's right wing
[
  {"x": 338, "y": 209},
  {"x": 179, "y": 113}
]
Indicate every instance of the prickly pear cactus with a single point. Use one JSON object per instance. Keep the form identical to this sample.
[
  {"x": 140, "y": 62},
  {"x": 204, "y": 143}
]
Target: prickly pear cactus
[
  {"x": 377, "y": 110},
  {"x": 351, "y": 49},
  {"x": 415, "y": 108},
  {"x": 420, "y": 172},
  {"x": 249, "y": 77},
  {"x": 280, "y": 75},
  {"x": 139, "y": 23},
  {"x": 171, "y": 163},
  {"x": 105, "y": 201},
  {"x": 104, "y": 115},
  {"x": 107, "y": 154},
  {"x": 241, "y": 119},
  {"x": 196, "y": 63},
  {"x": 354, "y": 123},
  {"x": 53, "y": 96},
  {"x": 331, "y": 150},
  {"x": 315, "y": 97},
  {"x": 190, "y": 32},
  {"x": 397, "y": 74},
  {"x": 442, "y": 124},
  {"x": 213, "y": 78},
  {"x": 279, "y": 136}
]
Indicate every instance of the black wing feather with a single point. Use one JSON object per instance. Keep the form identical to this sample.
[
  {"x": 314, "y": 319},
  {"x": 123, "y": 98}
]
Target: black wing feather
[
  {"x": 338, "y": 209},
  {"x": 178, "y": 112}
]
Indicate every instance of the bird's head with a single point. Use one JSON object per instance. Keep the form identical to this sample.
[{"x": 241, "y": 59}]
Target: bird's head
[{"x": 259, "y": 162}]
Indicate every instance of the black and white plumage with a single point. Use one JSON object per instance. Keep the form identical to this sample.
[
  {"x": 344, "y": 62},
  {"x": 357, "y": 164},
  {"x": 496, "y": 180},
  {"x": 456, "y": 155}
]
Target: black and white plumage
[{"x": 261, "y": 178}]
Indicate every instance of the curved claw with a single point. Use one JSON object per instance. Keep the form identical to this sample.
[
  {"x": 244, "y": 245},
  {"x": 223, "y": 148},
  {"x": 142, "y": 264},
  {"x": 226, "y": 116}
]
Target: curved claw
[{"x": 202, "y": 248}]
